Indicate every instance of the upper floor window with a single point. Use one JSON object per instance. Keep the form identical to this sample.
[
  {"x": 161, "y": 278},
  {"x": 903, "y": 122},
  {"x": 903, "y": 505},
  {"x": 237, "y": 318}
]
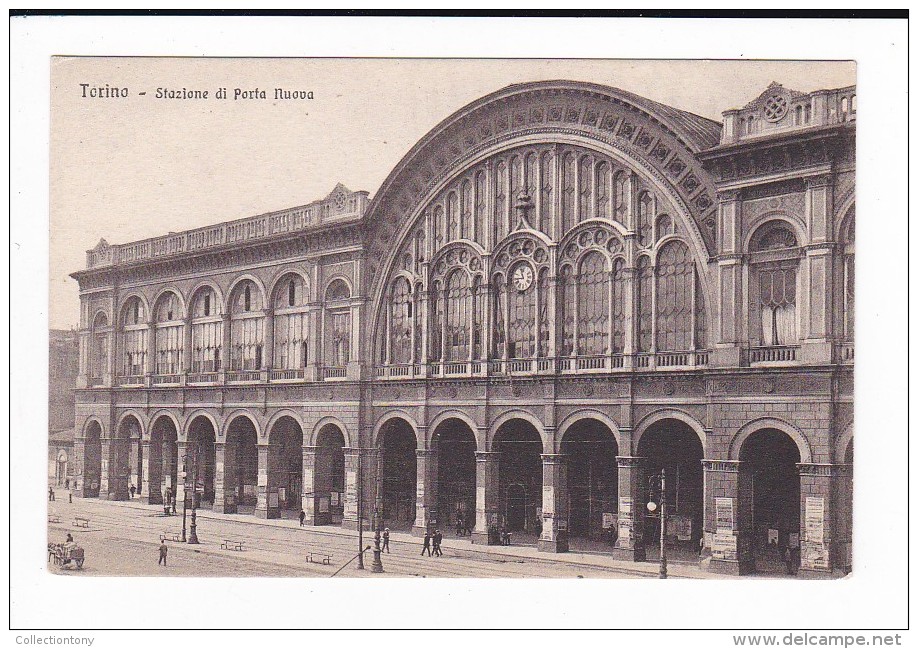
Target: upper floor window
[
  {"x": 133, "y": 338},
  {"x": 338, "y": 325},
  {"x": 170, "y": 336},
  {"x": 246, "y": 327},
  {"x": 206, "y": 332},
  {"x": 774, "y": 285},
  {"x": 291, "y": 323}
]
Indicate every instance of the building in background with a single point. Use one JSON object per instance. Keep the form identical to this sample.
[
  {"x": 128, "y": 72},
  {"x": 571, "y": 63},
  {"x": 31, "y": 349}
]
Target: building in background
[
  {"x": 63, "y": 368},
  {"x": 562, "y": 290}
]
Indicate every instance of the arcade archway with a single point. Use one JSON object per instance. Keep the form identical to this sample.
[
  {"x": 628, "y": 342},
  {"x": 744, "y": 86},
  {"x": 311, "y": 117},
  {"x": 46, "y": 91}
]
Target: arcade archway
[
  {"x": 163, "y": 461},
  {"x": 240, "y": 471},
  {"x": 200, "y": 459},
  {"x": 519, "y": 477},
  {"x": 92, "y": 460},
  {"x": 769, "y": 498},
  {"x": 328, "y": 487},
  {"x": 286, "y": 475},
  {"x": 671, "y": 444},
  {"x": 454, "y": 444},
  {"x": 398, "y": 444},
  {"x": 123, "y": 469},
  {"x": 592, "y": 480}
]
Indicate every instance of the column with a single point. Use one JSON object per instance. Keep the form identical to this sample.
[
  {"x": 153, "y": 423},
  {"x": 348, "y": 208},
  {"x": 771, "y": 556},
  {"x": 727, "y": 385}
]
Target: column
[
  {"x": 311, "y": 486},
  {"x": 816, "y": 296},
  {"x": 268, "y": 355},
  {"x": 105, "y": 481},
  {"x": 169, "y": 457},
  {"x": 359, "y": 471},
  {"x": 183, "y": 477},
  {"x": 729, "y": 325},
  {"x": 632, "y": 493},
  {"x": 134, "y": 477},
  {"x": 817, "y": 519},
  {"x": 554, "y": 537},
  {"x": 147, "y": 482},
  {"x": 487, "y": 504},
  {"x": 841, "y": 507},
  {"x": 268, "y": 505},
  {"x": 226, "y": 347},
  {"x": 426, "y": 513},
  {"x": 629, "y": 286},
  {"x": 728, "y": 524},
  {"x": 151, "y": 348},
  {"x": 225, "y": 472},
  {"x": 79, "y": 459},
  {"x": 312, "y": 344}
]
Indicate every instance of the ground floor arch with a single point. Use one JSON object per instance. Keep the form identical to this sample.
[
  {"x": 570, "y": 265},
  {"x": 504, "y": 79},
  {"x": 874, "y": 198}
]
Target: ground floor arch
[
  {"x": 285, "y": 467},
  {"x": 122, "y": 458},
  {"x": 519, "y": 446},
  {"x": 199, "y": 459},
  {"x": 453, "y": 449},
  {"x": 240, "y": 468},
  {"x": 769, "y": 500},
  {"x": 162, "y": 461},
  {"x": 397, "y": 443},
  {"x": 589, "y": 449},
  {"x": 323, "y": 500},
  {"x": 92, "y": 459},
  {"x": 672, "y": 448}
]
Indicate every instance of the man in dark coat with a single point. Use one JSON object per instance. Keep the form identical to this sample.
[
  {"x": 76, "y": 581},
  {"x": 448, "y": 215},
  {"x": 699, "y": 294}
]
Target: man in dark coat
[
  {"x": 163, "y": 551},
  {"x": 437, "y": 541},
  {"x": 426, "y": 544}
]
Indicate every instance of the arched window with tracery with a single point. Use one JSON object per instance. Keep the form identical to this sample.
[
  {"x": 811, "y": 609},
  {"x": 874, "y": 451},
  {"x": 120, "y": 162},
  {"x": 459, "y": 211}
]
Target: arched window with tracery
[
  {"x": 675, "y": 297},
  {"x": 618, "y": 306},
  {"x": 134, "y": 330},
  {"x": 644, "y": 308},
  {"x": 545, "y": 307},
  {"x": 621, "y": 185},
  {"x": 206, "y": 331},
  {"x": 774, "y": 259},
  {"x": 291, "y": 323},
  {"x": 458, "y": 316},
  {"x": 645, "y": 217},
  {"x": 402, "y": 323},
  {"x": 337, "y": 324},
  {"x": 566, "y": 302},
  {"x": 247, "y": 327},
  {"x": 452, "y": 217},
  {"x": 521, "y": 294},
  {"x": 170, "y": 334},
  {"x": 546, "y": 201},
  {"x": 499, "y": 315},
  {"x": 593, "y": 305},
  {"x": 585, "y": 171}
]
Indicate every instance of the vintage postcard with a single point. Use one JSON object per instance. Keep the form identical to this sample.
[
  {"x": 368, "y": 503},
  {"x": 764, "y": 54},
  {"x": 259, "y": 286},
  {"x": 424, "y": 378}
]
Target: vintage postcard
[{"x": 555, "y": 319}]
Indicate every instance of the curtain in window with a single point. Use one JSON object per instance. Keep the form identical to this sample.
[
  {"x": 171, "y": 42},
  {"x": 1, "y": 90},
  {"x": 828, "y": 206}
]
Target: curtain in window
[
  {"x": 206, "y": 341},
  {"x": 593, "y": 306},
  {"x": 247, "y": 339},
  {"x": 291, "y": 333},
  {"x": 169, "y": 347},
  {"x": 341, "y": 338},
  {"x": 778, "y": 297},
  {"x": 135, "y": 352}
]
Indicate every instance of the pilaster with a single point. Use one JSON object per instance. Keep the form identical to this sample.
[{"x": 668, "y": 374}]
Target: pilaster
[
  {"x": 486, "y": 496},
  {"x": 728, "y": 512},
  {"x": 426, "y": 514},
  {"x": 554, "y": 537},
  {"x": 225, "y": 480},
  {"x": 632, "y": 492}
]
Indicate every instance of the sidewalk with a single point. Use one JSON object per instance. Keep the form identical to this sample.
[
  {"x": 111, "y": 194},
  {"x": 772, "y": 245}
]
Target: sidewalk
[{"x": 464, "y": 547}]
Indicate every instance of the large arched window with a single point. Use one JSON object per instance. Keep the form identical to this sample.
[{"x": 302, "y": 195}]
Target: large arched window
[
  {"x": 291, "y": 323},
  {"x": 675, "y": 297},
  {"x": 618, "y": 306},
  {"x": 170, "y": 334},
  {"x": 566, "y": 309},
  {"x": 402, "y": 323},
  {"x": 247, "y": 327},
  {"x": 337, "y": 324},
  {"x": 521, "y": 321},
  {"x": 774, "y": 260},
  {"x": 593, "y": 305},
  {"x": 435, "y": 339},
  {"x": 98, "y": 355},
  {"x": 134, "y": 330},
  {"x": 206, "y": 331},
  {"x": 644, "y": 307},
  {"x": 458, "y": 297},
  {"x": 645, "y": 218}
]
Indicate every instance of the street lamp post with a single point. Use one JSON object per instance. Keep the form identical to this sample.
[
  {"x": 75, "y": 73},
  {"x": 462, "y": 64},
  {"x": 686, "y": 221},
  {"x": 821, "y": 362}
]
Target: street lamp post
[
  {"x": 657, "y": 483},
  {"x": 377, "y": 518},
  {"x": 360, "y": 549},
  {"x": 193, "y": 536},
  {"x": 184, "y": 494}
]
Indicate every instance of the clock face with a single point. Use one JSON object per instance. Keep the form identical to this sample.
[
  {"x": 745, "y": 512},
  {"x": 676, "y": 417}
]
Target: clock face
[{"x": 522, "y": 277}]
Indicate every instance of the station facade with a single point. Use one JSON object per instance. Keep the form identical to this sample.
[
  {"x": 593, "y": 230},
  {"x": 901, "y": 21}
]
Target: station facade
[{"x": 562, "y": 291}]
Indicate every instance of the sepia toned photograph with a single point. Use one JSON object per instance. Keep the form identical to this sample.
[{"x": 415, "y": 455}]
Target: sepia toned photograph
[{"x": 479, "y": 318}]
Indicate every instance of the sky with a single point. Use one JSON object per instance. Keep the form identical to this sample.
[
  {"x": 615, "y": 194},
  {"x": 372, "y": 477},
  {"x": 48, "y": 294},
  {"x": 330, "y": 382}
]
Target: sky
[{"x": 137, "y": 167}]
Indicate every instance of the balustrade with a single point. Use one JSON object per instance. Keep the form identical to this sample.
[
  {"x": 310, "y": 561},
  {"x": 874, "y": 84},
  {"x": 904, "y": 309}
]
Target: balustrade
[{"x": 773, "y": 354}]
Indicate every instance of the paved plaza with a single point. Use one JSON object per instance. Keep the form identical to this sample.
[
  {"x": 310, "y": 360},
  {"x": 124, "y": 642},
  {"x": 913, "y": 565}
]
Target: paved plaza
[{"x": 123, "y": 539}]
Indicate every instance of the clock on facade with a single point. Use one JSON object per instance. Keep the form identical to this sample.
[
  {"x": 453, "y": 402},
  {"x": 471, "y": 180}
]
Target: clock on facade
[{"x": 522, "y": 277}]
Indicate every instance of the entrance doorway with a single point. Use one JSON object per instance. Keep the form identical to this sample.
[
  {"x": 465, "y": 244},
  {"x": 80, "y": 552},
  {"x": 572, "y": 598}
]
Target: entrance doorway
[
  {"x": 454, "y": 443},
  {"x": 241, "y": 458},
  {"x": 92, "y": 460},
  {"x": 329, "y": 476},
  {"x": 163, "y": 464},
  {"x": 769, "y": 493},
  {"x": 286, "y": 440},
  {"x": 201, "y": 458},
  {"x": 520, "y": 477},
  {"x": 592, "y": 480},
  {"x": 400, "y": 473}
]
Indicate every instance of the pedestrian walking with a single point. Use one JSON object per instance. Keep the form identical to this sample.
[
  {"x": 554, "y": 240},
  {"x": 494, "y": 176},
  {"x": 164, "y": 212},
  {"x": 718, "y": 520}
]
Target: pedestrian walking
[
  {"x": 437, "y": 542},
  {"x": 133, "y": 490},
  {"x": 163, "y": 551},
  {"x": 302, "y": 517},
  {"x": 67, "y": 483},
  {"x": 173, "y": 504},
  {"x": 789, "y": 560},
  {"x": 385, "y": 540},
  {"x": 50, "y": 494},
  {"x": 426, "y": 544},
  {"x": 70, "y": 497},
  {"x": 69, "y": 538}
]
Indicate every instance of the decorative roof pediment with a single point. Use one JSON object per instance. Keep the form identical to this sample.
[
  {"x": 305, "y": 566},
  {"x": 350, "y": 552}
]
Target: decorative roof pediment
[{"x": 774, "y": 88}]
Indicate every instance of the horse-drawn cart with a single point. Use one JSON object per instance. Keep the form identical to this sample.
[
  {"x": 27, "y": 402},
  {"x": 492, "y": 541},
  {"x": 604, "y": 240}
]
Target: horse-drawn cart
[{"x": 66, "y": 555}]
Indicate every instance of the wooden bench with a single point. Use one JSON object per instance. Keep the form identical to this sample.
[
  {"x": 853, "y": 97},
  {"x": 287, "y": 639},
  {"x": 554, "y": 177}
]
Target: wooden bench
[
  {"x": 80, "y": 521},
  {"x": 54, "y": 518},
  {"x": 318, "y": 557},
  {"x": 170, "y": 536},
  {"x": 230, "y": 544}
]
